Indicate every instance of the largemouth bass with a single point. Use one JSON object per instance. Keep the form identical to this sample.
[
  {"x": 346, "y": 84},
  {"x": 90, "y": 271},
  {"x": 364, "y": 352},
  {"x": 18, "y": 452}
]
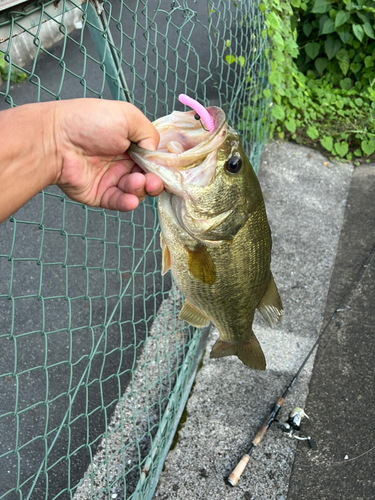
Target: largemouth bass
[{"x": 215, "y": 235}]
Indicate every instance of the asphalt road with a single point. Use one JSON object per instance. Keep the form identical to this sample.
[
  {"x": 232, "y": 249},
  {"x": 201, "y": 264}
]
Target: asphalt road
[{"x": 62, "y": 296}]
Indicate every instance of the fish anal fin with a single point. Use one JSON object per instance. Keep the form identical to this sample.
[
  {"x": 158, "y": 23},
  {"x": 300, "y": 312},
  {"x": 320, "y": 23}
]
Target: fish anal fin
[
  {"x": 200, "y": 264},
  {"x": 191, "y": 314},
  {"x": 250, "y": 353},
  {"x": 270, "y": 306},
  {"x": 166, "y": 256}
]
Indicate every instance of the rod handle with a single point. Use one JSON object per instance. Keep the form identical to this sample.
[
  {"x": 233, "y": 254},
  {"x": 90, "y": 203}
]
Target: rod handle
[
  {"x": 238, "y": 470},
  {"x": 268, "y": 421}
]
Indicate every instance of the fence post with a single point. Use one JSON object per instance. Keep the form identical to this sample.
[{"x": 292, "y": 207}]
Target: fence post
[{"x": 110, "y": 57}]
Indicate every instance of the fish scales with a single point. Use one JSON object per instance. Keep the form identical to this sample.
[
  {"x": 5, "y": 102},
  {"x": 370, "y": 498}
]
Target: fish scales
[
  {"x": 215, "y": 234},
  {"x": 243, "y": 262}
]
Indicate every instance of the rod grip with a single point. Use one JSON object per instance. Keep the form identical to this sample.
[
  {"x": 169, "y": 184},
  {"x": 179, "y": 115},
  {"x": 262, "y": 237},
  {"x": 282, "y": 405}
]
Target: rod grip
[
  {"x": 238, "y": 470},
  {"x": 268, "y": 421}
]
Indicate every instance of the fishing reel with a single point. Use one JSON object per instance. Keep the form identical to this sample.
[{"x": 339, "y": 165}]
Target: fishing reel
[{"x": 293, "y": 425}]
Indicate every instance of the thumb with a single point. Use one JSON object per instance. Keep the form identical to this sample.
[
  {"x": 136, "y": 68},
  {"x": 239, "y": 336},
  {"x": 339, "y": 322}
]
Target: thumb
[{"x": 140, "y": 130}]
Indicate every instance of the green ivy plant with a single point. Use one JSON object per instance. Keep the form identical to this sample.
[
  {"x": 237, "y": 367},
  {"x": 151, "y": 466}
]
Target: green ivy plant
[
  {"x": 15, "y": 76},
  {"x": 336, "y": 39},
  {"x": 322, "y": 93}
]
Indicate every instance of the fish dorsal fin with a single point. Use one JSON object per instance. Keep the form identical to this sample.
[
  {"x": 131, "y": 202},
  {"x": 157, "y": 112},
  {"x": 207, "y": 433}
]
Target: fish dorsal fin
[
  {"x": 166, "y": 256},
  {"x": 191, "y": 314},
  {"x": 270, "y": 306},
  {"x": 200, "y": 264},
  {"x": 250, "y": 353}
]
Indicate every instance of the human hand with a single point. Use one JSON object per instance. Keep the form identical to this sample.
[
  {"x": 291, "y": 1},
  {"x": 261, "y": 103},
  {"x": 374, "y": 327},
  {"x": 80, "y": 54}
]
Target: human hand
[{"x": 91, "y": 138}]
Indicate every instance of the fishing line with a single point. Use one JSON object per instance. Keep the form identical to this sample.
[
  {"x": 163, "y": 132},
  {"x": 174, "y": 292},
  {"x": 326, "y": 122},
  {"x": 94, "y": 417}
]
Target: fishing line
[
  {"x": 354, "y": 458},
  {"x": 240, "y": 467}
]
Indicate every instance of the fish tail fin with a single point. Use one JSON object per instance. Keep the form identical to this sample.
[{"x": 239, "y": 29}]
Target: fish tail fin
[{"x": 250, "y": 353}]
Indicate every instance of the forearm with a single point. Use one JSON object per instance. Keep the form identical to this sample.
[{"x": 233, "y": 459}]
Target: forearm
[{"x": 28, "y": 161}]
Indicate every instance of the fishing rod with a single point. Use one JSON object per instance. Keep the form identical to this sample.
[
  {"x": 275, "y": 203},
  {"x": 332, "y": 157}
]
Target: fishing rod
[{"x": 297, "y": 414}]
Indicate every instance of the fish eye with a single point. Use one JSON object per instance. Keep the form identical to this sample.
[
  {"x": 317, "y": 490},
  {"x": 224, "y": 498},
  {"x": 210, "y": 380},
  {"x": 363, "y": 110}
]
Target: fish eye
[{"x": 234, "y": 165}]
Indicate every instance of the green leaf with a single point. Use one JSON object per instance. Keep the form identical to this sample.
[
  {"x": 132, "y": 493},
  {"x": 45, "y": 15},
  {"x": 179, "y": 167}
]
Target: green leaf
[
  {"x": 368, "y": 62},
  {"x": 290, "y": 125},
  {"x": 230, "y": 59},
  {"x": 241, "y": 61},
  {"x": 344, "y": 66},
  {"x": 368, "y": 147},
  {"x": 368, "y": 30},
  {"x": 278, "y": 41},
  {"x": 344, "y": 33},
  {"x": 356, "y": 67},
  {"x": 358, "y": 101},
  {"x": 267, "y": 93},
  {"x": 291, "y": 47},
  {"x": 278, "y": 112},
  {"x": 321, "y": 7},
  {"x": 358, "y": 31},
  {"x": 262, "y": 7},
  {"x": 328, "y": 27},
  {"x": 322, "y": 20},
  {"x": 332, "y": 46},
  {"x": 346, "y": 84},
  {"x": 312, "y": 49},
  {"x": 341, "y": 148},
  {"x": 343, "y": 59},
  {"x": 17, "y": 76},
  {"x": 307, "y": 29},
  {"x": 341, "y": 18},
  {"x": 321, "y": 64},
  {"x": 272, "y": 20},
  {"x": 358, "y": 152},
  {"x": 296, "y": 3},
  {"x": 327, "y": 142},
  {"x": 275, "y": 78},
  {"x": 363, "y": 17},
  {"x": 312, "y": 132}
]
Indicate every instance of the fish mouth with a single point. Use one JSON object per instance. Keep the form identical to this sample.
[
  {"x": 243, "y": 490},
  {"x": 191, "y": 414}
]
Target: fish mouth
[{"x": 184, "y": 146}]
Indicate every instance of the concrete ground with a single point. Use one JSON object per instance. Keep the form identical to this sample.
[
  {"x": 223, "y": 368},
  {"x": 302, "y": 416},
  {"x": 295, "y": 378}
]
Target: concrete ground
[{"x": 323, "y": 221}]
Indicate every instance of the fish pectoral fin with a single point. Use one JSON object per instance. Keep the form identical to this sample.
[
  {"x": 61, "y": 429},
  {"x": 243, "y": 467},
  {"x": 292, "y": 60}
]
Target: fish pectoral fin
[
  {"x": 270, "y": 306},
  {"x": 200, "y": 264},
  {"x": 166, "y": 256},
  {"x": 250, "y": 353},
  {"x": 191, "y": 314}
]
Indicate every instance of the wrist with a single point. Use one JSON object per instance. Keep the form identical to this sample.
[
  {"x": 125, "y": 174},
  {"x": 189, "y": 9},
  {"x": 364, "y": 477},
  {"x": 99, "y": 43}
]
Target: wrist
[{"x": 50, "y": 160}]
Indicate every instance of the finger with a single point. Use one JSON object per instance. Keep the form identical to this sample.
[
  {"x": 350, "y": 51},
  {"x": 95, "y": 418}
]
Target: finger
[
  {"x": 153, "y": 184},
  {"x": 140, "y": 129},
  {"x": 133, "y": 183},
  {"x": 115, "y": 199}
]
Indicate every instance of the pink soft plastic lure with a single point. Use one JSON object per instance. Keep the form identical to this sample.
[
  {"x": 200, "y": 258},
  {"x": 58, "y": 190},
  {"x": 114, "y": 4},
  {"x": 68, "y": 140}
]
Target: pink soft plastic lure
[{"x": 199, "y": 109}]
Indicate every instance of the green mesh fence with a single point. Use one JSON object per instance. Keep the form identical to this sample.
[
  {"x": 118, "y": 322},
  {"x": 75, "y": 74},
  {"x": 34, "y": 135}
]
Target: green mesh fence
[{"x": 95, "y": 366}]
